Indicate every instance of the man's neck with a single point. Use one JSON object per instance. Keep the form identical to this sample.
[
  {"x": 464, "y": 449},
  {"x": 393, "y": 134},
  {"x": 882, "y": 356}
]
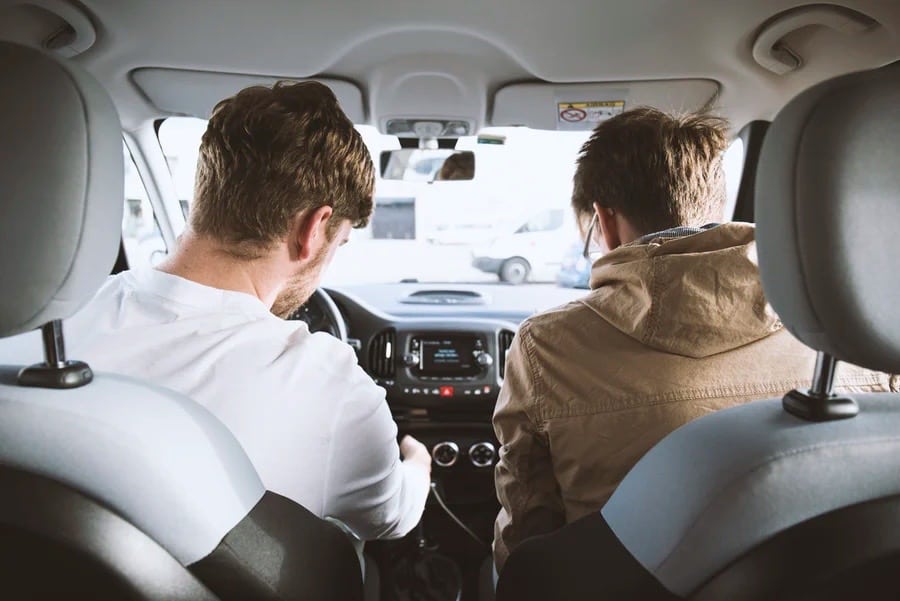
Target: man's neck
[{"x": 207, "y": 262}]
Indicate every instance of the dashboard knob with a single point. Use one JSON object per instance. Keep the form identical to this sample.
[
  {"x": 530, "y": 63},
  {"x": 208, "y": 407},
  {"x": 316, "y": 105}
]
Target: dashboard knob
[
  {"x": 411, "y": 359},
  {"x": 482, "y": 454},
  {"x": 445, "y": 453},
  {"x": 484, "y": 360}
]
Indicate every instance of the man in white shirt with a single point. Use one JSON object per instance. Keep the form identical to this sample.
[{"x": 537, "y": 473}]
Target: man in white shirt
[{"x": 281, "y": 179}]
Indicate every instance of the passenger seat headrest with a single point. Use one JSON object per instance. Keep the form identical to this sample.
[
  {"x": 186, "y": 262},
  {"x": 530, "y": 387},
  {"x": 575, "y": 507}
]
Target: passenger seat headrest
[
  {"x": 61, "y": 184},
  {"x": 828, "y": 217}
]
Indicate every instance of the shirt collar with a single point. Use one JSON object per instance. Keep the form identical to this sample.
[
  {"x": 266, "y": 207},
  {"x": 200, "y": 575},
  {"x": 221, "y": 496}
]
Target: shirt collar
[{"x": 191, "y": 293}]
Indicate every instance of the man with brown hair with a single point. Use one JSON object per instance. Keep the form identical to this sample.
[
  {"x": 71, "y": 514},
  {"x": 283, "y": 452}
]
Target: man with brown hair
[
  {"x": 457, "y": 166},
  {"x": 676, "y": 325},
  {"x": 282, "y": 177}
]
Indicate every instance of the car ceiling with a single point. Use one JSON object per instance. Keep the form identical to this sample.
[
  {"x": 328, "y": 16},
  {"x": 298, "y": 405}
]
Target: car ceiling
[{"x": 480, "y": 45}]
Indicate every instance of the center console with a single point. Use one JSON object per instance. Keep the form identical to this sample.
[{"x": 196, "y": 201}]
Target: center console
[
  {"x": 442, "y": 377},
  {"x": 451, "y": 369},
  {"x": 442, "y": 381}
]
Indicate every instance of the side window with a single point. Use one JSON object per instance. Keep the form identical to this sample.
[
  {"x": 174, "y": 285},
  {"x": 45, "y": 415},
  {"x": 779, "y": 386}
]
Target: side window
[
  {"x": 733, "y": 164},
  {"x": 141, "y": 235},
  {"x": 179, "y": 138},
  {"x": 544, "y": 222}
]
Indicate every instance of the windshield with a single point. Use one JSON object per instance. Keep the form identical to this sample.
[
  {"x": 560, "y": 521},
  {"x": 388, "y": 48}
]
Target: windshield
[{"x": 511, "y": 224}]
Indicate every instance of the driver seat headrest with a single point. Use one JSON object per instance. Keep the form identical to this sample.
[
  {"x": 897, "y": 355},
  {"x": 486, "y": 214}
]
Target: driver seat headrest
[
  {"x": 828, "y": 214},
  {"x": 61, "y": 179}
]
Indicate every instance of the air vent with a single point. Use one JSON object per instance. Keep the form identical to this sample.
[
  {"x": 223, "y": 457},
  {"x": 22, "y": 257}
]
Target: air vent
[
  {"x": 505, "y": 338},
  {"x": 444, "y": 297},
  {"x": 382, "y": 349}
]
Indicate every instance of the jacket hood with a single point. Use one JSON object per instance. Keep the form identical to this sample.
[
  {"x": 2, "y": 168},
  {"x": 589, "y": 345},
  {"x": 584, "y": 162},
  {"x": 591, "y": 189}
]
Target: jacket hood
[{"x": 695, "y": 296}]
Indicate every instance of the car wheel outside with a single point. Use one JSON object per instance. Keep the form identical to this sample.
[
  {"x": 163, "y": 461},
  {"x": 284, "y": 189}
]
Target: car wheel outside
[{"x": 514, "y": 271}]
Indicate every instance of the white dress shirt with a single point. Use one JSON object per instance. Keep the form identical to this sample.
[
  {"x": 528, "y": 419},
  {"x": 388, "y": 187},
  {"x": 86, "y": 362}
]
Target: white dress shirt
[{"x": 316, "y": 427}]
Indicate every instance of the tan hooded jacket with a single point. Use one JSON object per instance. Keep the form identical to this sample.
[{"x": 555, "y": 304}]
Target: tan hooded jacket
[{"x": 671, "y": 330}]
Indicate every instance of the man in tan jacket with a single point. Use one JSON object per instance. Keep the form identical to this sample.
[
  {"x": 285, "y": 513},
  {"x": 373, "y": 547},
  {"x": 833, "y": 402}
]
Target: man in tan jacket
[{"x": 676, "y": 325}]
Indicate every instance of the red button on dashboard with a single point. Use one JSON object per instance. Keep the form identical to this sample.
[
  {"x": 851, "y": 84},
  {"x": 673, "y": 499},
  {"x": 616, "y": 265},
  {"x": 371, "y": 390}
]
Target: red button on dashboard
[{"x": 446, "y": 391}]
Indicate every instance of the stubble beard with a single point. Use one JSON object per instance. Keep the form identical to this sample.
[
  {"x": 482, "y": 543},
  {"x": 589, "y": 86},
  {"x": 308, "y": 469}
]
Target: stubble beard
[{"x": 299, "y": 289}]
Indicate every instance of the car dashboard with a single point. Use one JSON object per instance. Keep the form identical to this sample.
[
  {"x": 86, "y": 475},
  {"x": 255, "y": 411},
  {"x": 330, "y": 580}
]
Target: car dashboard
[
  {"x": 436, "y": 370},
  {"x": 441, "y": 371},
  {"x": 439, "y": 351},
  {"x": 445, "y": 362}
]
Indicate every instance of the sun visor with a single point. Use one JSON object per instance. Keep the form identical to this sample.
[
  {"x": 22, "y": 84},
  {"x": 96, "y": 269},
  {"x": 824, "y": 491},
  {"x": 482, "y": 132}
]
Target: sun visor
[
  {"x": 195, "y": 93},
  {"x": 574, "y": 107}
]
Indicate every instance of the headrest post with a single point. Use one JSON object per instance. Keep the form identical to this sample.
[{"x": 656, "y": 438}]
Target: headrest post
[
  {"x": 55, "y": 372},
  {"x": 54, "y": 345},
  {"x": 819, "y": 403},
  {"x": 823, "y": 376}
]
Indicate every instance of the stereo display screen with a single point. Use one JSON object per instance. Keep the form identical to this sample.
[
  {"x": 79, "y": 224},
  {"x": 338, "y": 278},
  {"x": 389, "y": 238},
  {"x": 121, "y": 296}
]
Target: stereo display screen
[{"x": 449, "y": 355}]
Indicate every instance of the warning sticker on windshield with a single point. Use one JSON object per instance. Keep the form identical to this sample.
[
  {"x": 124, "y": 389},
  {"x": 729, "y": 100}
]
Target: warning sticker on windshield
[{"x": 575, "y": 116}]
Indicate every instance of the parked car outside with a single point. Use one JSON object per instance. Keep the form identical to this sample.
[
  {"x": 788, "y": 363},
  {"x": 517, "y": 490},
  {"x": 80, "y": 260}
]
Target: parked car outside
[
  {"x": 575, "y": 271},
  {"x": 531, "y": 252}
]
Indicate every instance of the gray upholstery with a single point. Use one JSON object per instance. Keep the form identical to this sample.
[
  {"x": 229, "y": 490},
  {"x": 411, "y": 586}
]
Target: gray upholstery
[
  {"x": 61, "y": 176},
  {"x": 130, "y": 470},
  {"x": 828, "y": 215},
  {"x": 828, "y": 211},
  {"x": 156, "y": 458},
  {"x": 724, "y": 483}
]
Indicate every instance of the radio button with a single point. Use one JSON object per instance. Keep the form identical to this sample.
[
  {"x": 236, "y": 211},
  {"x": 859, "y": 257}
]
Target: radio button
[
  {"x": 445, "y": 453},
  {"x": 482, "y": 454}
]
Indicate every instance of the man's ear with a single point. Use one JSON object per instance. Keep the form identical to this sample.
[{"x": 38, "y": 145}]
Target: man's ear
[
  {"x": 309, "y": 232},
  {"x": 609, "y": 226}
]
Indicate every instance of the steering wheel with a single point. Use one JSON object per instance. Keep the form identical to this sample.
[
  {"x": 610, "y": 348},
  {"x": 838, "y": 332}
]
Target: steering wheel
[{"x": 321, "y": 314}]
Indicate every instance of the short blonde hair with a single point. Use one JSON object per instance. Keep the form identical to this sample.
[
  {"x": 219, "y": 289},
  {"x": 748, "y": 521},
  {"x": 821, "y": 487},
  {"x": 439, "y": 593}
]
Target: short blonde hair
[
  {"x": 660, "y": 171},
  {"x": 271, "y": 153}
]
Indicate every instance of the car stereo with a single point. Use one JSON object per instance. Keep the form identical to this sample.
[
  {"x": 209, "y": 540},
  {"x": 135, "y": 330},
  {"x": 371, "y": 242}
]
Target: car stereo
[
  {"x": 450, "y": 356},
  {"x": 444, "y": 368}
]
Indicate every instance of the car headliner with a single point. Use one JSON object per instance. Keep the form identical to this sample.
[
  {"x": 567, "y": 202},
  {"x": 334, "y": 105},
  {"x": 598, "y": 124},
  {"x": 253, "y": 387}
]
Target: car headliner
[{"x": 479, "y": 45}]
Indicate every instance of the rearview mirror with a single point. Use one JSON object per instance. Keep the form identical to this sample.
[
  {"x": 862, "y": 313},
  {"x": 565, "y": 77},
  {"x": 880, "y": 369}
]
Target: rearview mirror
[{"x": 427, "y": 165}]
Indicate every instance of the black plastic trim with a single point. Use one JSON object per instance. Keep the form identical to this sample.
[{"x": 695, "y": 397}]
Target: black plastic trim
[
  {"x": 583, "y": 561},
  {"x": 819, "y": 403},
  {"x": 73, "y": 374},
  {"x": 814, "y": 408},
  {"x": 56, "y": 543},
  {"x": 55, "y": 372},
  {"x": 849, "y": 553},
  {"x": 280, "y": 550}
]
